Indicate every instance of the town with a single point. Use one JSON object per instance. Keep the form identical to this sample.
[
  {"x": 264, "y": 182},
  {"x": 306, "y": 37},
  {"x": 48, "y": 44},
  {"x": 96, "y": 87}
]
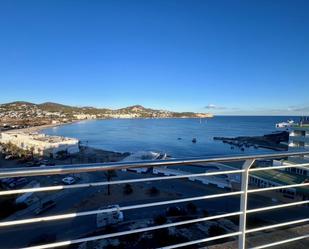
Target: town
[{"x": 21, "y": 114}]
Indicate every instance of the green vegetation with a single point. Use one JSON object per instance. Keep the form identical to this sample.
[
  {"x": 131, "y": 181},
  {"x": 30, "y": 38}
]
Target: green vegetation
[
  {"x": 153, "y": 191},
  {"x": 175, "y": 211},
  {"x": 191, "y": 208},
  {"x": 10, "y": 148},
  {"x": 8, "y": 206},
  {"x": 109, "y": 176},
  {"x": 127, "y": 189},
  {"x": 69, "y": 111},
  {"x": 160, "y": 220}
]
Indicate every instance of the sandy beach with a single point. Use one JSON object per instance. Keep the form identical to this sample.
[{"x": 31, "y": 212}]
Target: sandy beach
[
  {"x": 39, "y": 127},
  {"x": 85, "y": 155}
]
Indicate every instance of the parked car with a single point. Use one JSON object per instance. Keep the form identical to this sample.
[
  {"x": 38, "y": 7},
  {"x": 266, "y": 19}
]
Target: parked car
[
  {"x": 29, "y": 164},
  {"x": 8, "y": 157},
  {"x": 44, "y": 207},
  {"x": 37, "y": 163},
  {"x": 24, "y": 160},
  {"x": 18, "y": 182},
  {"x": 33, "y": 164},
  {"x": 47, "y": 162},
  {"x": 8, "y": 181},
  {"x": 68, "y": 180}
]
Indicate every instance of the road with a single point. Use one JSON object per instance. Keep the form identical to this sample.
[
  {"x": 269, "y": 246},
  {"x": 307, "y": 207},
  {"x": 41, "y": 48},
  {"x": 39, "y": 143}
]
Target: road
[{"x": 77, "y": 199}]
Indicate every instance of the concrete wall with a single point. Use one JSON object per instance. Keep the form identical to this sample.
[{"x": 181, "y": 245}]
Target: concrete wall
[{"x": 29, "y": 141}]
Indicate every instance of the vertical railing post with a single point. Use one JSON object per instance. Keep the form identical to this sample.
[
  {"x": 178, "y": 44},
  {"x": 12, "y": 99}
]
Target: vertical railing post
[{"x": 243, "y": 203}]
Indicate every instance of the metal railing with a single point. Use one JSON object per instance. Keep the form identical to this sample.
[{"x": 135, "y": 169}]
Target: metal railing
[{"x": 243, "y": 193}]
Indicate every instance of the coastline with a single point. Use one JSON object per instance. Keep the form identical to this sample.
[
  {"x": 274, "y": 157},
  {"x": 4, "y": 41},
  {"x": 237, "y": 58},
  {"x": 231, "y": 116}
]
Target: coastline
[
  {"x": 39, "y": 127},
  {"x": 87, "y": 154},
  {"x": 46, "y": 126},
  {"x": 175, "y": 142}
]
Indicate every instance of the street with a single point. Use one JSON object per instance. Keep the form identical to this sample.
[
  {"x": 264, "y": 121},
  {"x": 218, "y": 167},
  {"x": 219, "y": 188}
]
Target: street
[{"x": 95, "y": 197}]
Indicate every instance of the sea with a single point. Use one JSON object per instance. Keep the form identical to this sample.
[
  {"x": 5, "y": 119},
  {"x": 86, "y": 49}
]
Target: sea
[{"x": 171, "y": 136}]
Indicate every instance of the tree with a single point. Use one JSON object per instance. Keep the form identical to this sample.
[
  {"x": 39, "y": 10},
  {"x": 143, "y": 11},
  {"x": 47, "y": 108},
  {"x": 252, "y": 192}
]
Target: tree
[
  {"x": 63, "y": 154},
  {"x": 160, "y": 220},
  {"x": 191, "y": 208},
  {"x": 8, "y": 206},
  {"x": 32, "y": 152},
  {"x": 127, "y": 189},
  {"x": 175, "y": 211},
  {"x": 205, "y": 213},
  {"x": 153, "y": 191},
  {"x": 215, "y": 230},
  {"x": 109, "y": 176}
]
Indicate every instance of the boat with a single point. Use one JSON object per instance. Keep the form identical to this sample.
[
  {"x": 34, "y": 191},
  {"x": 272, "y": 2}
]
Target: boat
[
  {"x": 144, "y": 155},
  {"x": 287, "y": 124}
]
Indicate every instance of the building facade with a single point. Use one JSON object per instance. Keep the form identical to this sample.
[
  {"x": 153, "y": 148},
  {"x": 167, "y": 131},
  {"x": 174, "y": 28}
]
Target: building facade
[
  {"x": 299, "y": 135},
  {"x": 41, "y": 144}
]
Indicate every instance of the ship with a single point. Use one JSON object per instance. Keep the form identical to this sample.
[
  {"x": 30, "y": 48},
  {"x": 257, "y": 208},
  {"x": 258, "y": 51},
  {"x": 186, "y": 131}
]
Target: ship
[{"x": 287, "y": 124}]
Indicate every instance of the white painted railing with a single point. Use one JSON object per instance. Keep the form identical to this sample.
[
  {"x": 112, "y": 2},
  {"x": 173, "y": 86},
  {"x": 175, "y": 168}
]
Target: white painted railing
[{"x": 243, "y": 192}]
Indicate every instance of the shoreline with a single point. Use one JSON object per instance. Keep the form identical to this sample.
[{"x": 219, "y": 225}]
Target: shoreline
[
  {"x": 39, "y": 127},
  {"x": 87, "y": 154},
  {"x": 94, "y": 151},
  {"x": 46, "y": 126}
]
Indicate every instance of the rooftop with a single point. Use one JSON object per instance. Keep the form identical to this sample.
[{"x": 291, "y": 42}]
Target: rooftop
[
  {"x": 283, "y": 178},
  {"x": 41, "y": 137}
]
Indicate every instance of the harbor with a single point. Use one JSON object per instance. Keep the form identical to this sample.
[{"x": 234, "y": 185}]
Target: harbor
[{"x": 277, "y": 141}]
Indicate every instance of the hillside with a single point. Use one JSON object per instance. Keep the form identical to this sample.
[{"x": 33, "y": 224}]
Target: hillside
[
  {"x": 21, "y": 113},
  {"x": 55, "y": 107}
]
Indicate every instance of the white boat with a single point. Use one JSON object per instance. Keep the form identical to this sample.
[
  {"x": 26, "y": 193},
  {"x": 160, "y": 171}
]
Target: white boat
[
  {"x": 144, "y": 155},
  {"x": 287, "y": 124}
]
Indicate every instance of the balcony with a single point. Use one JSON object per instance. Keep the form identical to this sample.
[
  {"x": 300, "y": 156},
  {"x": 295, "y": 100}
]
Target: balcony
[
  {"x": 236, "y": 214},
  {"x": 297, "y": 133},
  {"x": 299, "y": 141}
]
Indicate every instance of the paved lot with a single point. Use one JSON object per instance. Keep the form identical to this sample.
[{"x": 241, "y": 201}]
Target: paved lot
[{"x": 94, "y": 198}]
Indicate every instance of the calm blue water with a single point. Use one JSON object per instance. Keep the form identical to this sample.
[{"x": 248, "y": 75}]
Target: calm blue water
[{"x": 132, "y": 135}]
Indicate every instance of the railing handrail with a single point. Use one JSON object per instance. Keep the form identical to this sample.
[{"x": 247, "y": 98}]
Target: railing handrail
[
  {"x": 79, "y": 168},
  {"x": 244, "y": 171}
]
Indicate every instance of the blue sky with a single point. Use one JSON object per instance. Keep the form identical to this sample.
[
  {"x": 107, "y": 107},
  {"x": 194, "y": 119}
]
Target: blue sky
[{"x": 228, "y": 57}]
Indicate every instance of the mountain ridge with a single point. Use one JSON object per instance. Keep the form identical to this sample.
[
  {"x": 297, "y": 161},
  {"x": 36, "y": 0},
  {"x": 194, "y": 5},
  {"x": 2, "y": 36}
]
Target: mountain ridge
[
  {"x": 48, "y": 112},
  {"x": 136, "y": 107}
]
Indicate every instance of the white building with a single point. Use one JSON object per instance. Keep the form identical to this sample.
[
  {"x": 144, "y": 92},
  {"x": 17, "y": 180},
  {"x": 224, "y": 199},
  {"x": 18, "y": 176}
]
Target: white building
[
  {"x": 41, "y": 144},
  {"x": 84, "y": 116},
  {"x": 121, "y": 115},
  {"x": 222, "y": 181},
  {"x": 299, "y": 137}
]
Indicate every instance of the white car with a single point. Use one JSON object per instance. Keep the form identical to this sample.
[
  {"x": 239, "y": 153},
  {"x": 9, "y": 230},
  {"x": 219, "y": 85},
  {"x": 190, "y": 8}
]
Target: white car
[
  {"x": 68, "y": 180},
  {"x": 8, "y": 157},
  {"x": 109, "y": 218}
]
